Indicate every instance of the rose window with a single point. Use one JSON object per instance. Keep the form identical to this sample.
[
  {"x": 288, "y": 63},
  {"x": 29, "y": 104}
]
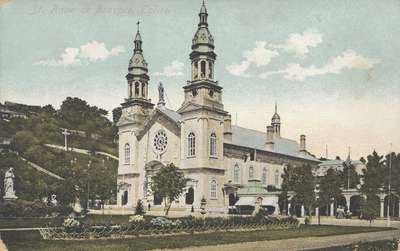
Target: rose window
[{"x": 160, "y": 141}]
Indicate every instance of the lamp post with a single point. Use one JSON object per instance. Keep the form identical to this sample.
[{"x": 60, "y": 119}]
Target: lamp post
[{"x": 389, "y": 186}]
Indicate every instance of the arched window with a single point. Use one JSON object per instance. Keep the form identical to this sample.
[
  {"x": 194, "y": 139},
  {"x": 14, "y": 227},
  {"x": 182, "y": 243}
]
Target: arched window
[
  {"x": 196, "y": 70},
  {"x": 213, "y": 189},
  {"x": 203, "y": 69},
  {"x": 213, "y": 144},
  {"x": 127, "y": 153},
  {"x": 124, "y": 198},
  {"x": 130, "y": 90},
  {"x": 191, "y": 144},
  {"x": 210, "y": 69},
  {"x": 264, "y": 176},
  {"x": 236, "y": 173},
  {"x": 276, "y": 178},
  {"x": 251, "y": 172},
  {"x": 143, "y": 90},
  {"x": 137, "y": 89},
  {"x": 189, "y": 198}
]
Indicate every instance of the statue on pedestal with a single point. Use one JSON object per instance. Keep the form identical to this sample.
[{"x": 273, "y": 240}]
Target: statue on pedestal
[
  {"x": 161, "y": 101},
  {"x": 9, "y": 192}
]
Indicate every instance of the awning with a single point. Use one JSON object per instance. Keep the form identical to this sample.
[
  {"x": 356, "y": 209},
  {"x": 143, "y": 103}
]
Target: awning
[
  {"x": 270, "y": 201},
  {"x": 245, "y": 201}
]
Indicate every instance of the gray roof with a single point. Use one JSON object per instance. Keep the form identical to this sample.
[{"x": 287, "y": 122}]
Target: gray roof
[
  {"x": 170, "y": 113},
  {"x": 338, "y": 162},
  {"x": 256, "y": 139},
  {"x": 251, "y": 138}
]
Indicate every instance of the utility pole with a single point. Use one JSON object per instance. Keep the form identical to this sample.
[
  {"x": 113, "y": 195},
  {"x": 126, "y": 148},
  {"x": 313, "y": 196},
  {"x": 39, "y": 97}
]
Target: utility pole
[
  {"x": 389, "y": 184},
  {"x": 66, "y": 134}
]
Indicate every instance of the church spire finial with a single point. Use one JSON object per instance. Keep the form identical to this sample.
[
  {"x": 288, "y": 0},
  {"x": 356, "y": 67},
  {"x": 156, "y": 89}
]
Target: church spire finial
[
  {"x": 276, "y": 107},
  {"x": 203, "y": 15},
  {"x": 138, "y": 39}
]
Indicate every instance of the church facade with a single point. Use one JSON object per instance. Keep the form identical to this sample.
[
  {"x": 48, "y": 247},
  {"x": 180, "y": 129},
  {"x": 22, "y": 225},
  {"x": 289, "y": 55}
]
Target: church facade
[{"x": 218, "y": 158}]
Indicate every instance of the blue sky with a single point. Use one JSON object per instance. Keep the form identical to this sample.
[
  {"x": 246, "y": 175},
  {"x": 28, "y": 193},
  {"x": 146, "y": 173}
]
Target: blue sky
[{"x": 332, "y": 66}]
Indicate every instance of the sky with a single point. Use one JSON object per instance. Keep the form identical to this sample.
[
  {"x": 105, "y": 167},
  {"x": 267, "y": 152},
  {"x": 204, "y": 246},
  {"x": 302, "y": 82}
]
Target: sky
[{"x": 332, "y": 66}]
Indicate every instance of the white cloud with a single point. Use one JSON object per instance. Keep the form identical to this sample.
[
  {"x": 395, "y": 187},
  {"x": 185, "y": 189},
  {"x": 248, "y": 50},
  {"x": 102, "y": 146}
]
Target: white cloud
[
  {"x": 90, "y": 52},
  {"x": 259, "y": 56},
  {"x": 300, "y": 43},
  {"x": 347, "y": 60},
  {"x": 173, "y": 70}
]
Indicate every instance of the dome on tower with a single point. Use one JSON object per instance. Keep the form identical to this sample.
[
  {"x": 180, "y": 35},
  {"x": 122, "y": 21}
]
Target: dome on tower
[
  {"x": 137, "y": 61},
  {"x": 203, "y": 36}
]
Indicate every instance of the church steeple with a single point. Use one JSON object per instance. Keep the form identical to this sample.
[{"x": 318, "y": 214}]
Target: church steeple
[
  {"x": 203, "y": 15},
  {"x": 203, "y": 56},
  {"x": 138, "y": 40},
  {"x": 202, "y": 89},
  {"x": 276, "y": 122},
  {"x": 137, "y": 77}
]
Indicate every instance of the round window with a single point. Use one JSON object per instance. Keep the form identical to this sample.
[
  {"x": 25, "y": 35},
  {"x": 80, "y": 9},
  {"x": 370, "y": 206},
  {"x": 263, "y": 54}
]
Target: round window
[{"x": 160, "y": 141}]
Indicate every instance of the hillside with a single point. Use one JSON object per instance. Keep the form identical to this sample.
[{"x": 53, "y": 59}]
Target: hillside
[{"x": 86, "y": 175}]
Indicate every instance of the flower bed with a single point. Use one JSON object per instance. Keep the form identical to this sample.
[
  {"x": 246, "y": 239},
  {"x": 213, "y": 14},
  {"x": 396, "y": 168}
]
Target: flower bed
[{"x": 164, "y": 226}]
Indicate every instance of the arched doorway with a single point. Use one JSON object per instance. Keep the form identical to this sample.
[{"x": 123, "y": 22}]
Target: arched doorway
[
  {"x": 340, "y": 202},
  {"x": 189, "y": 197},
  {"x": 355, "y": 205},
  {"x": 124, "y": 198},
  {"x": 157, "y": 199},
  {"x": 232, "y": 199},
  {"x": 394, "y": 205}
]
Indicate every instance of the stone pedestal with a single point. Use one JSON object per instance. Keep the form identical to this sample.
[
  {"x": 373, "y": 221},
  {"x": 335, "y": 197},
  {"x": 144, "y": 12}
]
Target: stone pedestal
[
  {"x": 332, "y": 209},
  {"x": 302, "y": 211},
  {"x": 382, "y": 211}
]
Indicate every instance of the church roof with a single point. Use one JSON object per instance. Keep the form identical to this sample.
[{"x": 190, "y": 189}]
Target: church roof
[
  {"x": 256, "y": 139},
  {"x": 251, "y": 138},
  {"x": 170, "y": 113}
]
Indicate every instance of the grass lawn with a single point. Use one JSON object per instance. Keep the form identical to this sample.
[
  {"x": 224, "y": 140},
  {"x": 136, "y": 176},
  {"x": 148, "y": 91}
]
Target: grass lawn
[{"x": 30, "y": 240}]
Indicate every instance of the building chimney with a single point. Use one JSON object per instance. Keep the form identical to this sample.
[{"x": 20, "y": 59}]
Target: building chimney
[
  {"x": 303, "y": 150},
  {"x": 269, "y": 142}
]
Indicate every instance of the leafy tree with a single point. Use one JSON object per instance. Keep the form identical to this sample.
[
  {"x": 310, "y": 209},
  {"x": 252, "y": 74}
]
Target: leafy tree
[
  {"x": 349, "y": 176},
  {"x": 373, "y": 175},
  {"x": 330, "y": 187},
  {"x": 116, "y": 112},
  {"x": 370, "y": 208},
  {"x": 392, "y": 161},
  {"x": 139, "y": 210},
  {"x": 300, "y": 180},
  {"x": 169, "y": 183}
]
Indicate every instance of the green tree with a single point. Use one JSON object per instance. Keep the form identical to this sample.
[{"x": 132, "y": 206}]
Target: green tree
[
  {"x": 139, "y": 210},
  {"x": 168, "y": 182},
  {"x": 330, "y": 187},
  {"x": 370, "y": 208},
  {"x": 349, "y": 176},
  {"x": 300, "y": 180},
  {"x": 116, "y": 112},
  {"x": 373, "y": 175}
]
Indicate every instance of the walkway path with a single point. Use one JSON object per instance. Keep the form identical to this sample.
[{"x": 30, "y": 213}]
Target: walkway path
[
  {"x": 300, "y": 243},
  {"x": 83, "y": 151},
  {"x": 41, "y": 169}
]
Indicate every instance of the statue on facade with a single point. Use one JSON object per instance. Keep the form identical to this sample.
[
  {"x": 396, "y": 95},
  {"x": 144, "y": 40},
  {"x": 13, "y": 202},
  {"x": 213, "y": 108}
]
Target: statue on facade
[
  {"x": 9, "y": 192},
  {"x": 161, "y": 100}
]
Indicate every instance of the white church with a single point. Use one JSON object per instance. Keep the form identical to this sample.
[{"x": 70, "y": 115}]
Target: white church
[{"x": 226, "y": 165}]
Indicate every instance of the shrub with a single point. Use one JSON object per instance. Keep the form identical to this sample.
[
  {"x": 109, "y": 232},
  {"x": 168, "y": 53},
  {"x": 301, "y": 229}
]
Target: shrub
[
  {"x": 139, "y": 210},
  {"x": 71, "y": 225},
  {"x": 136, "y": 218}
]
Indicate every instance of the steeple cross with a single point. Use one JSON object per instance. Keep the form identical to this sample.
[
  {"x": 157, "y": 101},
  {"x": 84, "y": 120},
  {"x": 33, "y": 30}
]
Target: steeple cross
[{"x": 138, "y": 22}]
